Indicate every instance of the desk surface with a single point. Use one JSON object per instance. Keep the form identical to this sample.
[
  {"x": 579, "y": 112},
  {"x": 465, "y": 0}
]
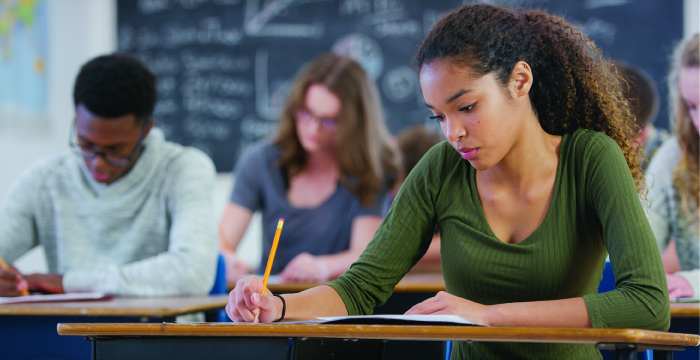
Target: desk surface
[
  {"x": 389, "y": 332},
  {"x": 124, "y": 306},
  {"x": 412, "y": 282},
  {"x": 685, "y": 310}
]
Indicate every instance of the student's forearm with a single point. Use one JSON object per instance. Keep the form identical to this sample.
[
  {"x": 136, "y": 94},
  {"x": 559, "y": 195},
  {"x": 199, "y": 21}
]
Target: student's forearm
[
  {"x": 336, "y": 264},
  {"x": 232, "y": 226},
  {"x": 569, "y": 313},
  {"x": 312, "y": 303}
]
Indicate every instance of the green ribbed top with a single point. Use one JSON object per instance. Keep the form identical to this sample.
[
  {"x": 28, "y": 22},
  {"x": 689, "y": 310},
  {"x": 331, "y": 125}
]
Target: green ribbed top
[{"x": 594, "y": 206}]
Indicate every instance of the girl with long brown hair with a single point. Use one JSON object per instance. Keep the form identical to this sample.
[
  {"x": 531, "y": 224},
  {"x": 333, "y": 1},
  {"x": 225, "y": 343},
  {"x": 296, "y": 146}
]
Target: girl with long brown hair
[
  {"x": 673, "y": 178},
  {"x": 537, "y": 180},
  {"x": 326, "y": 173}
]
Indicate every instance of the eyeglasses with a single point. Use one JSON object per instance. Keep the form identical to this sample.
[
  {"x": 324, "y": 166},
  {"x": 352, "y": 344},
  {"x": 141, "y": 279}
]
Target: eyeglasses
[
  {"x": 326, "y": 123},
  {"x": 114, "y": 159}
]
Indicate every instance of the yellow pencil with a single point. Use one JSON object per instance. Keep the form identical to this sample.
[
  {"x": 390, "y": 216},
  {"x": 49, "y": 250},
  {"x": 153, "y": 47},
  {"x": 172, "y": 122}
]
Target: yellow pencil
[
  {"x": 4, "y": 266},
  {"x": 271, "y": 258}
]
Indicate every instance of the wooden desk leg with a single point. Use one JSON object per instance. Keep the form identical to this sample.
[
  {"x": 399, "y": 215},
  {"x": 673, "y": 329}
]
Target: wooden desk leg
[
  {"x": 337, "y": 349},
  {"x": 663, "y": 355},
  {"x": 625, "y": 351}
]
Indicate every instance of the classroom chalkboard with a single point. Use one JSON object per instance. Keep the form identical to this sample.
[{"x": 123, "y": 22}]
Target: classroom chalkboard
[{"x": 224, "y": 66}]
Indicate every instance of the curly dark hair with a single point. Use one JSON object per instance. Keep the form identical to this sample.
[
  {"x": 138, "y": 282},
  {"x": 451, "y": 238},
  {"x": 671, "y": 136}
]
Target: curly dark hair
[
  {"x": 574, "y": 85},
  {"x": 115, "y": 85}
]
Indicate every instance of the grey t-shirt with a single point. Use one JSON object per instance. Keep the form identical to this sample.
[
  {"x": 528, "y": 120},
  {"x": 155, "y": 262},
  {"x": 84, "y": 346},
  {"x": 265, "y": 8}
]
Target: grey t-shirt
[{"x": 262, "y": 185}]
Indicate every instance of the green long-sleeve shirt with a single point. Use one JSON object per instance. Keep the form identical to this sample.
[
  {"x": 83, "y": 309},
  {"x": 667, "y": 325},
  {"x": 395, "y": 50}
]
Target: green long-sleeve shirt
[{"x": 594, "y": 206}]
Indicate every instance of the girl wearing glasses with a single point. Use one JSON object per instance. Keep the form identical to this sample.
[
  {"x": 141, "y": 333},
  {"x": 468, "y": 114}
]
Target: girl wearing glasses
[{"x": 326, "y": 173}]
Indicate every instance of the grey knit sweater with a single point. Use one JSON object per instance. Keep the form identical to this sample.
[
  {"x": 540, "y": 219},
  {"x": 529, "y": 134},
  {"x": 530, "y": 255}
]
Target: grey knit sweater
[{"x": 150, "y": 233}]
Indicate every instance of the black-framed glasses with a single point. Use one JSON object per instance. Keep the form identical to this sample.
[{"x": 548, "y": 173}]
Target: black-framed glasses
[{"x": 114, "y": 159}]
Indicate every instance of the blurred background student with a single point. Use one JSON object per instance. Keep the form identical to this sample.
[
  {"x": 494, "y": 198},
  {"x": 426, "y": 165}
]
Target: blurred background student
[
  {"x": 673, "y": 179},
  {"x": 643, "y": 97},
  {"x": 413, "y": 143},
  {"x": 125, "y": 212},
  {"x": 326, "y": 173}
]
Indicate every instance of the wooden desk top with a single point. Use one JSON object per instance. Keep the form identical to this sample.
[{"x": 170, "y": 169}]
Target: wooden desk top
[
  {"x": 412, "y": 282},
  {"x": 124, "y": 306},
  {"x": 389, "y": 332},
  {"x": 685, "y": 310}
]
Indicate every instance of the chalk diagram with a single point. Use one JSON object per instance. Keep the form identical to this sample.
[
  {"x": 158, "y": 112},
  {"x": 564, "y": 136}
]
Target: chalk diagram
[
  {"x": 400, "y": 84},
  {"x": 268, "y": 104},
  {"x": 256, "y": 21},
  {"x": 362, "y": 49}
]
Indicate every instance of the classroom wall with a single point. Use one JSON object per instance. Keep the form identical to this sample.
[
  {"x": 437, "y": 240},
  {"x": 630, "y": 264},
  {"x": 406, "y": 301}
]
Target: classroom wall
[{"x": 78, "y": 31}]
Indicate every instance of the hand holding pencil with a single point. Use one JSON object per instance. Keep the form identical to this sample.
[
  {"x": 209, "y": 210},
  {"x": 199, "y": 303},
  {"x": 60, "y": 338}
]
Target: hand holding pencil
[
  {"x": 249, "y": 301},
  {"x": 11, "y": 281}
]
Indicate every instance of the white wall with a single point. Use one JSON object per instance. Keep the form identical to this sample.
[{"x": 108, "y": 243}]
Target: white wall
[
  {"x": 691, "y": 14},
  {"x": 80, "y": 30}
]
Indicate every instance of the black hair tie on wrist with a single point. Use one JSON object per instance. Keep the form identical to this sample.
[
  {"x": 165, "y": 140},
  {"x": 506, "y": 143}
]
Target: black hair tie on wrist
[{"x": 284, "y": 307}]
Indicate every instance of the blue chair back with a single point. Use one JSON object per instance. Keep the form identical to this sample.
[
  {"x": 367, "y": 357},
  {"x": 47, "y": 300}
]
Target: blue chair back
[
  {"x": 220, "y": 287},
  {"x": 607, "y": 283}
]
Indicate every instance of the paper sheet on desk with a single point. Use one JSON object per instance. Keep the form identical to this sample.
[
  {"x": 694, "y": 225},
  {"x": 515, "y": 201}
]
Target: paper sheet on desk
[
  {"x": 686, "y": 300},
  {"x": 54, "y": 297},
  {"x": 397, "y": 320}
]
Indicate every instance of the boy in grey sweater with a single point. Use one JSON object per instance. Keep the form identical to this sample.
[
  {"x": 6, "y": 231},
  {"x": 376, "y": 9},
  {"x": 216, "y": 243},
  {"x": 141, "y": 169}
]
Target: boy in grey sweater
[{"x": 125, "y": 212}]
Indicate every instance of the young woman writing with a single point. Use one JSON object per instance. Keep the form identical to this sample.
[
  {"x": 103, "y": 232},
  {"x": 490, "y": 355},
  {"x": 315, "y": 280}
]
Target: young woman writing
[{"x": 537, "y": 179}]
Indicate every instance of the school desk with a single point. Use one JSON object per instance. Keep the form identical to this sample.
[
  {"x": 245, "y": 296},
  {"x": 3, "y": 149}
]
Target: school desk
[
  {"x": 298, "y": 341},
  {"x": 28, "y": 331},
  {"x": 685, "y": 318},
  {"x": 416, "y": 286}
]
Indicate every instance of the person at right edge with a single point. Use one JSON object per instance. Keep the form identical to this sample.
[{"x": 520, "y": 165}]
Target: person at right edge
[
  {"x": 538, "y": 178},
  {"x": 672, "y": 178}
]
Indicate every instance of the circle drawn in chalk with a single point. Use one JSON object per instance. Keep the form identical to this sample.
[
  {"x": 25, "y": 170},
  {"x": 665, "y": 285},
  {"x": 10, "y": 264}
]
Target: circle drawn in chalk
[
  {"x": 400, "y": 83},
  {"x": 362, "y": 49}
]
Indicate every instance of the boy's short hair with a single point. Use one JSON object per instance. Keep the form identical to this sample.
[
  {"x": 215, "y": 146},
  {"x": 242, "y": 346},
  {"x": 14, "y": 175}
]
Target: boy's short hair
[{"x": 115, "y": 85}]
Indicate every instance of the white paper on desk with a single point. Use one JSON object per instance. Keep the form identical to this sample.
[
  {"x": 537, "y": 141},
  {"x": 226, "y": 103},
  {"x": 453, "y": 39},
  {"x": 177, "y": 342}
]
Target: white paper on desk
[
  {"x": 54, "y": 297},
  {"x": 686, "y": 300},
  {"x": 397, "y": 319}
]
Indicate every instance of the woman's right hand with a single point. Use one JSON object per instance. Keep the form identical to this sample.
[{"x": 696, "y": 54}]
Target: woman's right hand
[
  {"x": 236, "y": 268},
  {"x": 246, "y": 304},
  {"x": 12, "y": 282}
]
